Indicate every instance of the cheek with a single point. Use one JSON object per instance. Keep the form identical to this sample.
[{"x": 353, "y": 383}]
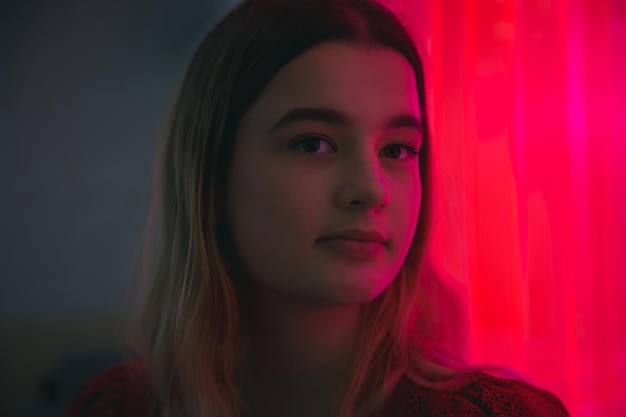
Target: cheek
[
  {"x": 273, "y": 217},
  {"x": 253, "y": 204},
  {"x": 415, "y": 204},
  {"x": 416, "y": 200},
  {"x": 408, "y": 206},
  {"x": 406, "y": 190}
]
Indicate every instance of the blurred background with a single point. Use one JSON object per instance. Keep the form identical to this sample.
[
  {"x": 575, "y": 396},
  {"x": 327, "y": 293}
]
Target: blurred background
[
  {"x": 85, "y": 88},
  {"x": 528, "y": 113}
]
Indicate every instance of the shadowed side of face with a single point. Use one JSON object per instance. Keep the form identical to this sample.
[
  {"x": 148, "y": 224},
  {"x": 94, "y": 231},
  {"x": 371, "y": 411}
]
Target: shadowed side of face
[{"x": 324, "y": 189}]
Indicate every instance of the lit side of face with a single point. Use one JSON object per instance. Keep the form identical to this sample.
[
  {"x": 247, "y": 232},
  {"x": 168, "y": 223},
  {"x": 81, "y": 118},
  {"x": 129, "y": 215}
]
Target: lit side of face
[{"x": 303, "y": 185}]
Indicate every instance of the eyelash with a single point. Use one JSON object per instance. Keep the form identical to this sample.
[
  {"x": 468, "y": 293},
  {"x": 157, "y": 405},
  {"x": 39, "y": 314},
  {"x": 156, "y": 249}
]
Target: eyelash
[{"x": 407, "y": 145}]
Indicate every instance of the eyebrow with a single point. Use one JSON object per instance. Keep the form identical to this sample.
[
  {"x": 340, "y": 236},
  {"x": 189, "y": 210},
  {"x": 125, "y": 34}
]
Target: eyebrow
[{"x": 334, "y": 117}]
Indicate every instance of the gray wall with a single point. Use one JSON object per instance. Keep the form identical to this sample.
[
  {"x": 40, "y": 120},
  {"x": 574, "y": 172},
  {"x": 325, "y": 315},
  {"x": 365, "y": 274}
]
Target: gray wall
[{"x": 85, "y": 87}]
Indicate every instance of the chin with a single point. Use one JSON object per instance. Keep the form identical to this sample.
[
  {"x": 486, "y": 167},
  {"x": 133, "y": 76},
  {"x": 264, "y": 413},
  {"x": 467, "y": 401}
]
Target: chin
[{"x": 358, "y": 293}]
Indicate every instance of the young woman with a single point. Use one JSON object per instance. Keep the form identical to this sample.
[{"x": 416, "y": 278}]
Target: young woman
[{"x": 296, "y": 198}]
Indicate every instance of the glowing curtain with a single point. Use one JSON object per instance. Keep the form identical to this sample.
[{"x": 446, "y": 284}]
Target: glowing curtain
[{"x": 529, "y": 115}]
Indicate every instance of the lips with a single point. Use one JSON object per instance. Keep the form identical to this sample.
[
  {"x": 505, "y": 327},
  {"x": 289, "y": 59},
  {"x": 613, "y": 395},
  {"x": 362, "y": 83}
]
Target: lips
[
  {"x": 358, "y": 235},
  {"x": 356, "y": 250},
  {"x": 356, "y": 244}
]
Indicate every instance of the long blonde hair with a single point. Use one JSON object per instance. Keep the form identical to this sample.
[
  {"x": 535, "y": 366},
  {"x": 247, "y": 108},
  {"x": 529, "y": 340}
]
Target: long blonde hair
[{"x": 188, "y": 326}]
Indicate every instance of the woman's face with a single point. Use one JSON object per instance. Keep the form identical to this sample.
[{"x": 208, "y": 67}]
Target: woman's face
[{"x": 323, "y": 203}]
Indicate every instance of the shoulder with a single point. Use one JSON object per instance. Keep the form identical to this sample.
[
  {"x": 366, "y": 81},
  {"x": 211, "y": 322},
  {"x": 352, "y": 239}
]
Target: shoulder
[
  {"x": 119, "y": 391},
  {"x": 478, "y": 395}
]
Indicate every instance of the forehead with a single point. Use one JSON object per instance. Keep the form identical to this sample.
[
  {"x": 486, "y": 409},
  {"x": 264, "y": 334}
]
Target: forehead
[{"x": 368, "y": 85}]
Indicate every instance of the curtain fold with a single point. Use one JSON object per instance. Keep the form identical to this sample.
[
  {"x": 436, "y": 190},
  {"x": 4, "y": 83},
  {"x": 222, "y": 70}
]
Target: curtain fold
[{"x": 529, "y": 122}]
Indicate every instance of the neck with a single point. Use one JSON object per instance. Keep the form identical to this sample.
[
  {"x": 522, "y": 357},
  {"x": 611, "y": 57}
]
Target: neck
[{"x": 298, "y": 357}]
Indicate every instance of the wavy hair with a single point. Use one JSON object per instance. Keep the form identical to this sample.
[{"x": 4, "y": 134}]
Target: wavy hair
[{"x": 188, "y": 328}]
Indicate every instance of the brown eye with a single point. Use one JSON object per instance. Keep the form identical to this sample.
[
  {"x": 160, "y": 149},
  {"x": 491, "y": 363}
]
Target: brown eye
[
  {"x": 399, "y": 151},
  {"x": 313, "y": 144}
]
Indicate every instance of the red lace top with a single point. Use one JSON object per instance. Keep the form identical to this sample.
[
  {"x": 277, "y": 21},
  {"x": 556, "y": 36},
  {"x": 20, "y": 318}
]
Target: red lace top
[{"x": 124, "y": 391}]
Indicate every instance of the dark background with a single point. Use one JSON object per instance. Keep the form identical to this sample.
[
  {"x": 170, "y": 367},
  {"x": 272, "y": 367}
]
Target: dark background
[{"x": 85, "y": 87}]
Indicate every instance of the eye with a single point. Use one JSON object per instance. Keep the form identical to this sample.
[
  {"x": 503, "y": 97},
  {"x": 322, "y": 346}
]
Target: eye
[
  {"x": 400, "y": 151},
  {"x": 313, "y": 143}
]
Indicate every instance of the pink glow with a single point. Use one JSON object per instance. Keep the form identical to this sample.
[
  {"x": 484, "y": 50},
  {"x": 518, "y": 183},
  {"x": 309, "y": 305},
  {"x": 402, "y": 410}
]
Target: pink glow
[{"x": 529, "y": 118}]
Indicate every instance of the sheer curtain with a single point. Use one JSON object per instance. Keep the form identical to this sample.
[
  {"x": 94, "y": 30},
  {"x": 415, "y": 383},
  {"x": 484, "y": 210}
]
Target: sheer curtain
[{"x": 529, "y": 119}]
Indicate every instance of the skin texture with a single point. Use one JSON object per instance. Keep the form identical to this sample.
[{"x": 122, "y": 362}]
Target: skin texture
[{"x": 285, "y": 195}]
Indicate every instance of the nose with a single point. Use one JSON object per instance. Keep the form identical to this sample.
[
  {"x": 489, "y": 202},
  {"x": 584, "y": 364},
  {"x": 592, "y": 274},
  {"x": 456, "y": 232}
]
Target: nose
[{"x": 362, "y": 185}]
